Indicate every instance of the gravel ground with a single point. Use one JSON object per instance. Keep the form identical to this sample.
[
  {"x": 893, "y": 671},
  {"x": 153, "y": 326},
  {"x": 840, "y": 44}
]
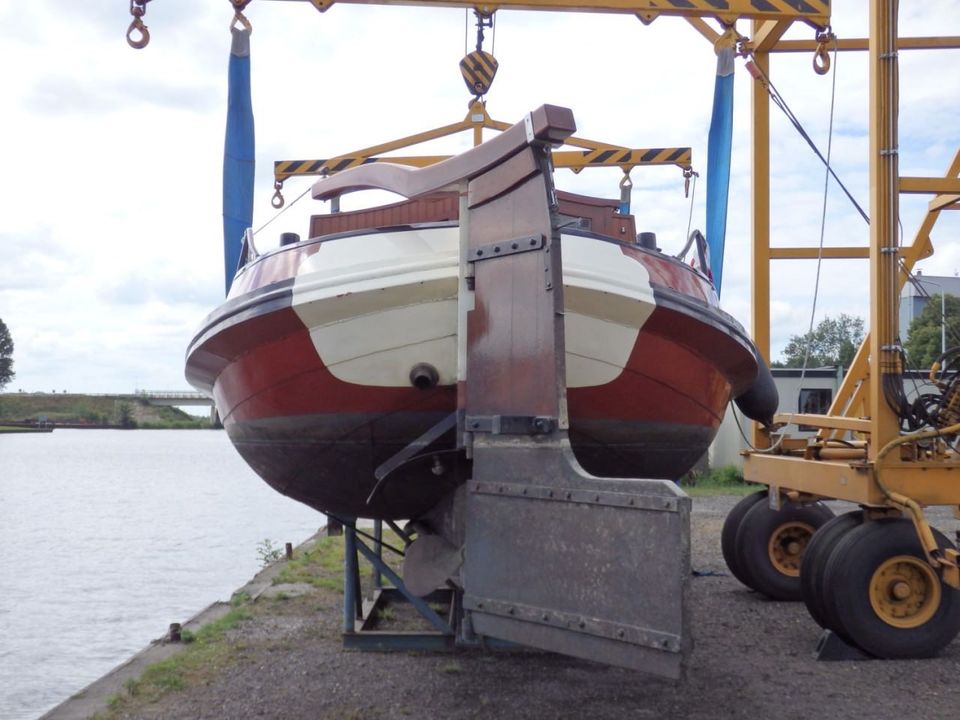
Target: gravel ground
[{"x": 752, "y": 658}]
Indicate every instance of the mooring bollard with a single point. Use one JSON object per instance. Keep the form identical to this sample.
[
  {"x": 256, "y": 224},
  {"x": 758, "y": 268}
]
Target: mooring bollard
[
  {"x": 174, "y": 634},
  {"x": 289, "y": 549}
]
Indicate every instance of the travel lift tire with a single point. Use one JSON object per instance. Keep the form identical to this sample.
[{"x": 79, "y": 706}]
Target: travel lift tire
[
  {"x": 728, "y": 535},
  {"x": 880, "y": 593},
  {"x": 814, "y": 563},
  {"x": 769, "y": 545}
]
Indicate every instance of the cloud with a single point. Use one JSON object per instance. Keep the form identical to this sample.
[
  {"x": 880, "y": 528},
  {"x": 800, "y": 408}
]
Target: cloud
[
  {"x": 111, "y": 201},
  {"x": 62, "y": 95}
]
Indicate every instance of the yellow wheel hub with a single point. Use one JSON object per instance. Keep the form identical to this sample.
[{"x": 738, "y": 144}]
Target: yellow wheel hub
[
  {"x": 786, "y": 546},
  {"x": 905, "y": 592}
]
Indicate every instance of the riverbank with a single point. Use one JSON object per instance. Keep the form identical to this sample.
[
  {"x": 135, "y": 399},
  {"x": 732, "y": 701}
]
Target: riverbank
[
  {"x": 25, "y": 428},
  {"x": 82, "y": 411},
  {"x": 752, "y": 658}
]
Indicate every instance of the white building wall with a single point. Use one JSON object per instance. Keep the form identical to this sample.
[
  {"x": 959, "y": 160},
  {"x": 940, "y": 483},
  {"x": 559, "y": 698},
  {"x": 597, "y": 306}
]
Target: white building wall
[{"x": 729, "y": 441}]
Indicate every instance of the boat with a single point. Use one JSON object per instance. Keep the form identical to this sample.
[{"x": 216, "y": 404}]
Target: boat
[
  {"x": 333, "y": 362},
  {"x": 513, "y": 370}
]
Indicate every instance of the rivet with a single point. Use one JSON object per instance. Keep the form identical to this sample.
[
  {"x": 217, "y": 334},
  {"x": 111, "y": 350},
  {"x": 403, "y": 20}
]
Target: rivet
[
  {"x": 496, "y": 248},
  {"x": 512, "y": 611},
  {"x": 620, "y": 633},
  {"x": 479, "y": 252},
  {"x": 514, "y": 246},
  {"x": 533, "y": 241}
]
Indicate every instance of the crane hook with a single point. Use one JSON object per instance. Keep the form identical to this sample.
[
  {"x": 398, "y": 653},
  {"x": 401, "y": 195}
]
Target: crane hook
[
  {"x": 821, "y": 59},
  {"x": 137, "y": 34},
  {"x": 277, "y": 200}
]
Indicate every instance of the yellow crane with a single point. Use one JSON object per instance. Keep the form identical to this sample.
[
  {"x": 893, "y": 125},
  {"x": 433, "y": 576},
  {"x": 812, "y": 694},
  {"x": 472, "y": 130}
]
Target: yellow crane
[{"x": 880, "y": 578}]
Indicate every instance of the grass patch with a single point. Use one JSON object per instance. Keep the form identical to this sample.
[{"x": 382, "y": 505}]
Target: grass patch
[
  {"x": 206, "y": 654},
  {"x": 726, "y": 480},
  {"x": 321, "y": 564}
]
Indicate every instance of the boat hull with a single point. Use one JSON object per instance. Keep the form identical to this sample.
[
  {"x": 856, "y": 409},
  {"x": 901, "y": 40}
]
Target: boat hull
[{"x": 309, "y": 364}]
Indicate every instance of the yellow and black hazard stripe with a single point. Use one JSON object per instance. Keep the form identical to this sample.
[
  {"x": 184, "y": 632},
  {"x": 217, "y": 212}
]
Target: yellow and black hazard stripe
[
  {"x": 814, "y": 11},
  {"x": 779, "y": 8},
  {"x": 478, "y": 70},
  {"x": 283, "y": 169},
  {"x": 625, "y": 157}
]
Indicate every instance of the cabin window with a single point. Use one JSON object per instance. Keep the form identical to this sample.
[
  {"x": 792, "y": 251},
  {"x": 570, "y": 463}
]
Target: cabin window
[{"x": 815, "y": 401}]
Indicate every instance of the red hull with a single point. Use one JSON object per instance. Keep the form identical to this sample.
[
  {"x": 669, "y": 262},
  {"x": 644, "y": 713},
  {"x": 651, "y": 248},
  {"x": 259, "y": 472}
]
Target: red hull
[{"x": 318, "y": 439}]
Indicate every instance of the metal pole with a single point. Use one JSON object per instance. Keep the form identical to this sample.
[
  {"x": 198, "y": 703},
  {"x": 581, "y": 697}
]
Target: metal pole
[
  {"x": 349, "y": 579},
  {"x": 378, "y": 549}
]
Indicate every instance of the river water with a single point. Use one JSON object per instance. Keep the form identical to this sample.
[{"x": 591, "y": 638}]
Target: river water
[{"x": 108, "y": 536}]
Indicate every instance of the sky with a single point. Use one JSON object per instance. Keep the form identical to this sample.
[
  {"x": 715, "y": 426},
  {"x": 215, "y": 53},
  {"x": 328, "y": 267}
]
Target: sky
[{"x": 110, "y": 205}]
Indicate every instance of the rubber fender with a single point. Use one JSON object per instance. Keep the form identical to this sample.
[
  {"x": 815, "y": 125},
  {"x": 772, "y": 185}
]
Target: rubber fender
[{"x": 761, "y": 400}]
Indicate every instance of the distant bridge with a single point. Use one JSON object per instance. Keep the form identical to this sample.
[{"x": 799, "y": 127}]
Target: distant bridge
[{"x": 174, "y": 398}]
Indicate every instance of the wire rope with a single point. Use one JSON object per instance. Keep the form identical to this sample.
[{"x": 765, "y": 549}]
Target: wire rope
[
  {"x": 823, "y": 226},
  {"x": 281, "y": 212},
  {"x": 781, "y": 103}
]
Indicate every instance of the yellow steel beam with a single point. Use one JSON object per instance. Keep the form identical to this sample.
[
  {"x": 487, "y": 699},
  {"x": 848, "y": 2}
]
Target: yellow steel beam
[
  {"x": 944, "y": 202},
  {"x": 809, "y": 253},
  {"x": 813, "y": 12},
  {"x": 930, "y": 185},
  {"x": 594, "y": 154},
  {"x": 833, "y": 422},
  {"x": 929, "y": 483},
  {"x": 825, "y": 478},
  {"x": 849, "y": 44},
  {"x": 884, "y": 212},
  {"x": 625, "y": 158},
  {"x": 760, "y": 218},
  {"x": 766, "y": 34}
]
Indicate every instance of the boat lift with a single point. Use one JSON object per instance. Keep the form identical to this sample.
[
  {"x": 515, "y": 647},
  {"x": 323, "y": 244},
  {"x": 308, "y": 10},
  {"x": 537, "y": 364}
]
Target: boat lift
[{"x": 881, "y": 578}]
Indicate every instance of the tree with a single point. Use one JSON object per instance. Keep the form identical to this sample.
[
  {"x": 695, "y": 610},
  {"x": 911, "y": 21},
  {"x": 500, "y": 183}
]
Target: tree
[
  {"x": 6, "y": 356},
  {"x": 924, "y": 337},
  {"x": 832, "y": 342}
]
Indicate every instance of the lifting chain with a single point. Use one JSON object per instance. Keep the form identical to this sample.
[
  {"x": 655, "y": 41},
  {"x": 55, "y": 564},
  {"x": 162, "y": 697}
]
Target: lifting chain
[
  {"x": 137, "y": 34},
  {"x": 483, "y": 21},
  {"x": 821, "y": 58}
]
